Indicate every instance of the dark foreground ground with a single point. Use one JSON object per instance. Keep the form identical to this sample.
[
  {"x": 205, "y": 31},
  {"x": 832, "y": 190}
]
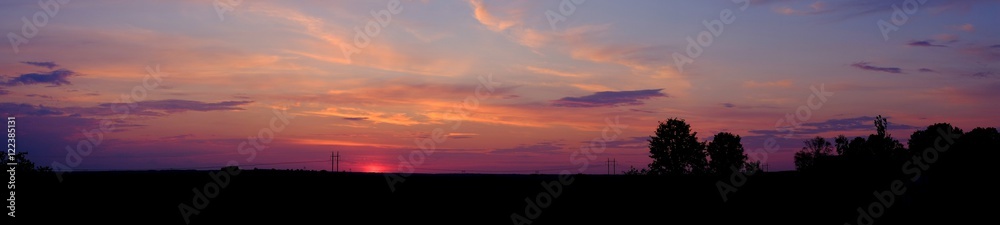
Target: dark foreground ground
[{"x": 297, "y": 197}]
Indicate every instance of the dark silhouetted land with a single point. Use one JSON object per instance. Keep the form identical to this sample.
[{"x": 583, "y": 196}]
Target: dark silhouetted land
[{"x": 296, "y": 197}]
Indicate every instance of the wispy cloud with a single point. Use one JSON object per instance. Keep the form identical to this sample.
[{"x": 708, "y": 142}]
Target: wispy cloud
[
  {"x": 946, "y": 38},
  {"x": 142, "y": 108},
  {"x": 860, "y": 123},
  {"x": 814, "y": 8},
  {"x": 55, "y": 78},
  {"x": 357, "y": 114},
  {"x": 855, "y": 8},
  {"x": 488, "y": 19},
  {"x": 925, "y": 43},
  {"x": 989, "y": 53},
  {"x": 767, "y": 84},
  {"x": 541, "y": 147},
  {"x": 47, "y": 65},
  {"x": 177, "y": 105},
  {"x": 177, "y": 137},
  {"x": 610, "y": 98},
  {"x": 27, "y": 109},
  {"x": 868, "y": 66},
  {"x": 965, "y": 27},
  {"x": 553, "y": 72}
]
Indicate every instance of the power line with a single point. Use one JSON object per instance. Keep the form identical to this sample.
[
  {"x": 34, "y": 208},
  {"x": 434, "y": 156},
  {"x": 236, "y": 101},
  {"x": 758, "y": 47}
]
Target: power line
[
  {"x": 336, "y": 158},
  {"x": 208, "y": 167}
]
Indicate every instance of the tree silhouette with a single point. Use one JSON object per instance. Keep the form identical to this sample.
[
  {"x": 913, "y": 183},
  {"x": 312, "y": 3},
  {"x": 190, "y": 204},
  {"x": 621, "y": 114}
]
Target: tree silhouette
[
  {"x": 877, "y": 151},
  {"x": 726, "y": 152},
  {"x": 25, "y": 165},
  {"x": 634, "y": 171},
  {"x": 922, "y": 139},
  {"x": 856, "y": 149},
  {"x": 676, "y": 150},
  {"x": 978, "y": 150},
  {"x": 982, "y": 139},
  {"x": 881, "y": 144},
  {"x": 881, "y": 124},
  {"x": 815, "y": 150},
  {"x": 842, "y": 144}
]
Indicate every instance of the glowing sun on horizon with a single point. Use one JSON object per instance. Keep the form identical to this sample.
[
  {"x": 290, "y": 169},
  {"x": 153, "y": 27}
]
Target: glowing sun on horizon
[{"x": 374, "y": 168}]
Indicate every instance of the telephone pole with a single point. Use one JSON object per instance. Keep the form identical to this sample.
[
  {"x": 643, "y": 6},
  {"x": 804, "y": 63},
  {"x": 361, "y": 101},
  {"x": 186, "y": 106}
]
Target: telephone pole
[
  {"x": 335, "y": 161},
  {"x": 612, "y": 166}
]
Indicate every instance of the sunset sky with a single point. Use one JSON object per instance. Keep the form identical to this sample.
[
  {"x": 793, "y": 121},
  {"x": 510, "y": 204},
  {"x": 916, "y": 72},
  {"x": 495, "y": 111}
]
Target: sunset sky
[{"x": 225, "y": 68}]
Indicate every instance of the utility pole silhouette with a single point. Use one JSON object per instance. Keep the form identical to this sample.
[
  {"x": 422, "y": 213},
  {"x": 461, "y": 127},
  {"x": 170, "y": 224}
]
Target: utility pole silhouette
[
  {"x": 335, "y": 161},
  {"x": 612, "y": 166}
]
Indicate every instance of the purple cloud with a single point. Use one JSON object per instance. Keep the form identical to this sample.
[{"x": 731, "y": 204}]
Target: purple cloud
[
  {"x": 631, "y": 142},
  {"x": 23, "y": 109},
  {"x": 609, "y": 98},
  {"x": 177, "y": 105},
  {"x": 144, "y": 108},
  {"x": 38, "y": 96},
  {"x": 541, "y": 147},
  {"x": 868, "y": 66},
  {"x": 177, "y": 137},
  {"x": 925, "y": 70},
  {"x": 641, "y": 110},
  {"x": 834, "y": 125},
  {"x": 355, "y": 118},
  {"x": 47, "y": 65},
  {"x": 56, "y": 78},
  {"x": 983, "y": 74},
  {"x": 927, "y": 43}
]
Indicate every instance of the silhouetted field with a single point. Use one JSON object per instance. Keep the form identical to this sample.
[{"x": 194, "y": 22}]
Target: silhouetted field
[{"x": 296, "y": 197}]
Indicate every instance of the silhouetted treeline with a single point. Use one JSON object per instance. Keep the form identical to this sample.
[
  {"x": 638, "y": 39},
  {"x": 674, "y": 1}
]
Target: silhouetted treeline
[
  {"x": 675, "y": 149},
  {"x": 939, "y": 145}
]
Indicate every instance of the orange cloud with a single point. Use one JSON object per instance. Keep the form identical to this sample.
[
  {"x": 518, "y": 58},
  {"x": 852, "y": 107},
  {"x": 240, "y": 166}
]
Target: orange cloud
[
  {"x": 816, "y": 7},
  {"x": 966, "y": 27},
  {"x": 488, "y": 19},
  {"x": 329, "y": 40},
  {"x": 767, "y": 84},
  {"x": 344, "y": 143},
  {"x": 368, "y": 115},
  {"x": 593, "y": 87},
  {"x": 547, "y": 71}
]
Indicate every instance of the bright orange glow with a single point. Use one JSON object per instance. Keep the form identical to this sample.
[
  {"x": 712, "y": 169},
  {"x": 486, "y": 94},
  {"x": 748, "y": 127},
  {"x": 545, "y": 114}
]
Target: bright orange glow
[{"x": 374, "y": 168}]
